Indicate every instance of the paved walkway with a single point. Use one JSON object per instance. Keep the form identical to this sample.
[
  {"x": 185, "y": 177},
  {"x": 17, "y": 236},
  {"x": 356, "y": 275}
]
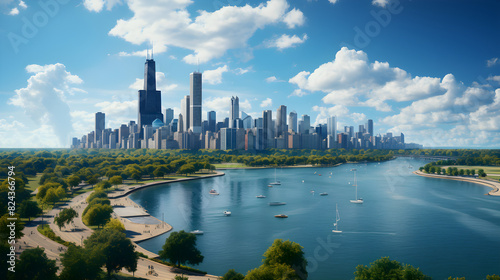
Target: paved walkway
[
  {"x": 494, "y": 185},
  {"x": 77, "y": 232},
  {"x": 125, "y": 190}
]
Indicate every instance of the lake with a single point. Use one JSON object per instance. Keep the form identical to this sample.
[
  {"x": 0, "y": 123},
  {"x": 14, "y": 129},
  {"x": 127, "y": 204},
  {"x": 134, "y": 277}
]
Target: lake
[{"x": 444, "y": 227}]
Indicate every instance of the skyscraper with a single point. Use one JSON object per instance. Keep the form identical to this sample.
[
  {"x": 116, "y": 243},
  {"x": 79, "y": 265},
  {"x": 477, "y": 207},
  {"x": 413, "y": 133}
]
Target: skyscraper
[
  {"x": 370, "y": 127},
  {"x": 306, "y": 124},
  {"x": 195, "y": 96},
  {"x": 149, "y": 98},
  {"x": 292, "y": 121},
  {"x": 267, "y": 128},
  {"x": 99, "y": 125},
  {"x": 185, "y": 112},
  {"x": 234, "y": 110},
  {"x": 332, "y": 127},
  {"x": 169, "y": 116},
  {"x": 281, "y": 121},
  {"x": 211, "y": 117}
]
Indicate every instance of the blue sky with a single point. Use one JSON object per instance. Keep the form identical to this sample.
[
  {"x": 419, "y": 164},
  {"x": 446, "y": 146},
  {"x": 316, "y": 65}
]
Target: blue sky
[{"x": 429, "y": 69}]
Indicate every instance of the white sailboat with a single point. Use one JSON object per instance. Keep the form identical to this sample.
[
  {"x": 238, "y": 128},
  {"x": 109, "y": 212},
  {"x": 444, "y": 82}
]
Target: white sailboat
[
  {"x": 357, "y": 200},
  {"x": 276, "y": 182},
  {"x": 337, "y": 219}
]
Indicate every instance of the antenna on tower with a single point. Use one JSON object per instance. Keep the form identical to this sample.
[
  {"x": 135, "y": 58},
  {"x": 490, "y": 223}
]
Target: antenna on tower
[
  {"x": 147, "y": 53},
  {"x": 152, "y": 45},
  {"x": 198, "y": 64}
]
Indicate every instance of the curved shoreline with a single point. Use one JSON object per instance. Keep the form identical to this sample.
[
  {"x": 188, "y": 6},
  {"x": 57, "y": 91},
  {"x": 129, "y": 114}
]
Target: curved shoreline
[
  {"x": 494, "y": 185},
  {"x": 122, "y": 198},
  {"x": 134, "y": 188}
]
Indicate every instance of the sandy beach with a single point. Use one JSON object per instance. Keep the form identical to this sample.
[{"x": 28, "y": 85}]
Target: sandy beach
[{"x": 494, "y": 185}]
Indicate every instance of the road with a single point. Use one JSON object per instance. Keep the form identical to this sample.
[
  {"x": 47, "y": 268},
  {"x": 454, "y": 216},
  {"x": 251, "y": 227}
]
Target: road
[{"x": 77, "y": 233}]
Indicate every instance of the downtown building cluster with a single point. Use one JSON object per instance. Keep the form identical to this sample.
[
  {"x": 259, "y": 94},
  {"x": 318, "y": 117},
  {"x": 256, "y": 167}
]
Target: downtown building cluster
[{"x": 155, "y": 130}]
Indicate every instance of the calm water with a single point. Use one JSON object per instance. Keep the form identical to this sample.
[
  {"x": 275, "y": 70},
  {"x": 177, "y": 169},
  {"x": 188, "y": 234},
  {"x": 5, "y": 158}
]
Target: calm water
[{"x": 447, "y": 228}]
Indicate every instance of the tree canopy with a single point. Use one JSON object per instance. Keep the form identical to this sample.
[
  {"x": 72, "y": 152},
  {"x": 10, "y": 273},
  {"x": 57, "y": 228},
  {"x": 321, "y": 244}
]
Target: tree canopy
[
  {"x": 116, "y": 250},
  {"x": 34, "y": 264},
  {"x": 180, "y": 248},
  {"x": 384, "y": 268}
]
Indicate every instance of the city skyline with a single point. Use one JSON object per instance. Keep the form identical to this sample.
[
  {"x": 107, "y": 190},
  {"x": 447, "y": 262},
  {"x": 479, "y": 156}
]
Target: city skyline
[
  {"x": 429, "y": 73},
  {"x": 190, "y": 131}
]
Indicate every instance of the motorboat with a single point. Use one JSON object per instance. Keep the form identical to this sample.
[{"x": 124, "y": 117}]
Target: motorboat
[
  {"x": 281, "y": 216},
  {"x": 214, "y": 192},
  {"x": 197, "y": 232},
  {"x": 323, "y": 194},
  {"x": 276, "y": 203},
  {"x": 227, "y": 213},
  {"x": 261, "y": 196}
]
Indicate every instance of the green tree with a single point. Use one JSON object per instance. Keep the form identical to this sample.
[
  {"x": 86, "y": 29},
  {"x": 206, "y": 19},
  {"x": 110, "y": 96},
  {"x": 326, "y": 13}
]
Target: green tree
[
  {"x": 158, "y": 172},
  {"x": 493, "y": 277},
  {"x": 5, "y": 230},
  {"x": 34, "y": 264},
  {"x": 73, "y": 181},
  {"x": 233, "y": 275},
  {"x": 80, "y": 264},
  {"x": 136, "y": 176},
  {"x": 276, "y": 272},
  {"x": 115, "y": 248},
  {"x": 98, "y": 215},
  {"x": 385, "y": 268},
  {"x": 456, "y": 278},
  {"x": 51, "y": 196},
  {"x": 288, "y": 253},
  {"x": 473, "y": 172},
  {"x": 42, "y": 190},
  {"x": 61, "y": 193},
  {"x": 28, "y": 209},
  {"x": 116, "y": 180},
  {"x": 481, "y": 173},
  {"x": 66, "y": 216},
  {"x": 104, "y": 184},
  {"x": 187, "y": 168},
  {"x": 115, "y": 224},
  {"x": 180, "y": 248},
  {"x": 96, "y": 194}
]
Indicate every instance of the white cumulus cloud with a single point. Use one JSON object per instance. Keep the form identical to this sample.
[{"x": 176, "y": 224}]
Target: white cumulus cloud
[
  {"x": 98, "y": 5},
  {"x": 44, "y": 99},
  {"x": 214, "y": 77},
  {"x": 294, "y": 18},
  {"x": 285, "y": 41},
  {"x": 268, "y": 102},
  {"x": 14, "y": 11},
  {"x": 208, "y": 35}
]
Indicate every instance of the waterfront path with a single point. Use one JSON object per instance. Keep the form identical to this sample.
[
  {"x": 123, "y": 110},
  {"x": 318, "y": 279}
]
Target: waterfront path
[
  {"x": 494, "y": 185},
  {"x": 125, "y": 190},
  {"x": 77, "y": 232}
]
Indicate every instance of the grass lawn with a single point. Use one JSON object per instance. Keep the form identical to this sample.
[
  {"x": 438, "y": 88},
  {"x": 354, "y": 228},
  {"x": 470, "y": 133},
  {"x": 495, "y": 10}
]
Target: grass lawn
[
  {"x": 229, "y": 165},
  {"x": 492, "y": 171},
  {"x": 32, "y": 183}
]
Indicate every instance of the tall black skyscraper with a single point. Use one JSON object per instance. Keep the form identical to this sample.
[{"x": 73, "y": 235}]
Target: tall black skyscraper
[{"x": 149, "y": 98}]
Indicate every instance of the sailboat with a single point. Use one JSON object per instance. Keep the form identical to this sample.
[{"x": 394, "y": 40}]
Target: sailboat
[
  {"x": 357, "y": 200},
  {"x": 276, "y": 182},
  {"x": 337, "y": 219}
]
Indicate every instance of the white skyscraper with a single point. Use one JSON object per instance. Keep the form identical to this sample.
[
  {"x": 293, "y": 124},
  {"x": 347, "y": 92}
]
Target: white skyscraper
[
  {"x": 332, "y": 126},
  {"x": 185, "y": 112}
]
